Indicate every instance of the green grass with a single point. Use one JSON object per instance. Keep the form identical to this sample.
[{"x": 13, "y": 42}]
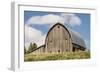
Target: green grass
[{"x": 57, "y": 56}]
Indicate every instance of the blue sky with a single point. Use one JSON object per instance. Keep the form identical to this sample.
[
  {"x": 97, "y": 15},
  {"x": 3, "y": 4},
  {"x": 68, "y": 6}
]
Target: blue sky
[{"x": 82, "y": 27}]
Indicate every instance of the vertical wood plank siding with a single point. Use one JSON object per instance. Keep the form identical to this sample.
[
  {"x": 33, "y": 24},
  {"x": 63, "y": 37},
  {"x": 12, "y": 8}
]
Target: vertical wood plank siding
[{"x": 58, "y": 40}]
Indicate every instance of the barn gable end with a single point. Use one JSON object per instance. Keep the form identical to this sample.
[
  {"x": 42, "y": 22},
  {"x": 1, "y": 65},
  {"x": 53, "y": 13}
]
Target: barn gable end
[{"x": 58, "y": 39}]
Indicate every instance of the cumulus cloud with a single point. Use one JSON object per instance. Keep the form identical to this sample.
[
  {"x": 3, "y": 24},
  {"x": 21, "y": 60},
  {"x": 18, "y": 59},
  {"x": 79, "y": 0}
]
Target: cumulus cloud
[
  {"x": 33, "y": 35},
  {"x": 71, "y": 19},
  {"x": 51, "y": 19}
]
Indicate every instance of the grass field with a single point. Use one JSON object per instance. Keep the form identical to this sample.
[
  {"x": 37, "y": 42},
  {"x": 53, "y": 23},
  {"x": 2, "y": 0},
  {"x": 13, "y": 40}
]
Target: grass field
[{"x": 57, "y": 56}]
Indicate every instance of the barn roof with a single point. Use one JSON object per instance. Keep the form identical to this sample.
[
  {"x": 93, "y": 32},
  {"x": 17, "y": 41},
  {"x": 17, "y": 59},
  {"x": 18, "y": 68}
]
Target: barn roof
[
  {"x": 75, "y": 36},
  {"x": 38, "y": 47}
]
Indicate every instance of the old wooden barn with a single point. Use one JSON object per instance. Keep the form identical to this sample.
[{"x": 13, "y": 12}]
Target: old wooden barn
[{"x": 60, "y": 39}]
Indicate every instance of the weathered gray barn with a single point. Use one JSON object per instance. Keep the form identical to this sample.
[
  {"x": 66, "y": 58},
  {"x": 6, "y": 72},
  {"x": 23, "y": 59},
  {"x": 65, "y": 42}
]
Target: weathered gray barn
[{"x": 60, "y": 39}]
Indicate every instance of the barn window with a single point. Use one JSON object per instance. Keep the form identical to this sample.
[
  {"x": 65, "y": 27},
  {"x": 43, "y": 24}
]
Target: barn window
[
  {"x": 50, "y": 51},
  {"x": 58, "y": 26},
  {"x": 73, "y": 49},
  {"x": 58, "y": 50},
  {"x": 51, "y": 41},
  {"x": 66, "y": 38},
  {"x": 66, "y": 50}
]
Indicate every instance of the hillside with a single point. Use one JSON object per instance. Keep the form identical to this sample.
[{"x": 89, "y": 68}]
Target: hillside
[{"x": 57, "y": 56}]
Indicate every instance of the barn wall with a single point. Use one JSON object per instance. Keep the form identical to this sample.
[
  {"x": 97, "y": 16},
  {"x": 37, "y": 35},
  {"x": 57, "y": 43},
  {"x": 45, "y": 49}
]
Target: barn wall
[
  {"x": 39, "y": 50},
  {"x": 77, "y": 48},
  {"x": 58, "y": 40}
]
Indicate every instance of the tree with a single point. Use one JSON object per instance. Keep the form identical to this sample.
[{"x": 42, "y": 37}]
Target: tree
[{"x": 32, "y": 46}]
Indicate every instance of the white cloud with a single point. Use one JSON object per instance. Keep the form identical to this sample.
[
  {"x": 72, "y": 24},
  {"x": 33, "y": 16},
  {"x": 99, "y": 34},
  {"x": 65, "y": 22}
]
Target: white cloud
[
  {"x": 46, "y": 19},
  {"x": 51, "y": 19},
  {"x": 71, "y": 19},
  {"x": 33, "y": 35},
  {"x": 75, "y": 21}
]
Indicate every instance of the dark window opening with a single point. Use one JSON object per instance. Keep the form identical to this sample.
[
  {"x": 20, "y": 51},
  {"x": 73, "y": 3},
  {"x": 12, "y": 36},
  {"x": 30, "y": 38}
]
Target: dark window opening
[
  {"x": 58, "y": 50},
  {"x": 73, "y": 49},
  {"x": 66, "y": 50},
  {"x": 50, "y": 51},
  {"x": 58, "y": 26},
  {"x": 51, "y": 41}
]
